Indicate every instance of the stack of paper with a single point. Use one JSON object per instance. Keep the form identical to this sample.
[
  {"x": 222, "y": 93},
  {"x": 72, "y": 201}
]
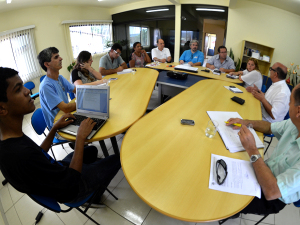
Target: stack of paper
[
  {"x": 186, "y": 67},
  {"x": 235, "y": 90},
  {"x": 125, "y": 71},
  {"x": 229, "y": 136}
]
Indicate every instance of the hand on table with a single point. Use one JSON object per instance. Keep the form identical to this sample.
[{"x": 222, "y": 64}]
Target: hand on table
[
  {"x": 247, "y": 140},
  {"x": 222, "y": 70},
  {"x": 235, "y": 120},
  {"x": 119, "y": 69},
  {"x": 231, "y": 73},
  {"x": 181, "y": 61},
  {"x": 163, "y": 60},
  {"x": 190, "y": 63},
  {"x": 212, "y": 67},
  {"x": 85, "y": 128},
  {"x": 62, "y": 121}
]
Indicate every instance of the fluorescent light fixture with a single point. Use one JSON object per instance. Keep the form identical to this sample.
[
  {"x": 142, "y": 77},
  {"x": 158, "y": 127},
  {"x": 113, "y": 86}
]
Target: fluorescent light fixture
[
  {"x": 205, "y": 9},
  {"x": 157, "y": 10},
  {"x": 8, "y": 1}
]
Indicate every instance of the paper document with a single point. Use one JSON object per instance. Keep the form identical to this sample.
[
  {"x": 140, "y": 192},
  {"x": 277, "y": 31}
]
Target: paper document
[
  {"x": 229, "y": 136},
  {"x": 125, "y": 71},
  {"x": 153, "y": 64},
  {"x": 186, "y": 67},
  {"x": 235, "y": 90},
  {"x": 240, "y": 179}
]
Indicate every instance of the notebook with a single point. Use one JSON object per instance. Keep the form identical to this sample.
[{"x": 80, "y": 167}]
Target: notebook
[
  {"x": 91, "y": 101},
  {"x": 186, "y": 67}
]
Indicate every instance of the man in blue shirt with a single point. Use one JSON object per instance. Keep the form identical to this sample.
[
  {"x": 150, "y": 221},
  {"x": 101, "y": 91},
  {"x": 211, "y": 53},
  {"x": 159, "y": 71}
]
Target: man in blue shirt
[
  {"x": 54, "y": 88},
  {"x": 193, "y": 57},
  {"x": 279, "y": 175}
]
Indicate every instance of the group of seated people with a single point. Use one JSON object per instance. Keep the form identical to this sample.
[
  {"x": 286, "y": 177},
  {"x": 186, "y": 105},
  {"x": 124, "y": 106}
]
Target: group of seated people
[{"x": 30, "y": 169}]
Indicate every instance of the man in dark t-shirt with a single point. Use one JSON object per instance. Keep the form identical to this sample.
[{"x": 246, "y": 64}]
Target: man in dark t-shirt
[{"x": 28, "y": 167}]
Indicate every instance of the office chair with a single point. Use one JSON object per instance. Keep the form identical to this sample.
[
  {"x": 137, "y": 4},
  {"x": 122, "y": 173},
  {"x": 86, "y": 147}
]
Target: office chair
[
  {"x": 39, "y": 125},
  {"x": 263, "y": 88},
  {"x": 265, "y": 78},
  {"x": 42, "y": 78},
  {"x": 72, "y": 95},
  {"x": 30, "y": 85},
  {"x": 269, "y": 83}
]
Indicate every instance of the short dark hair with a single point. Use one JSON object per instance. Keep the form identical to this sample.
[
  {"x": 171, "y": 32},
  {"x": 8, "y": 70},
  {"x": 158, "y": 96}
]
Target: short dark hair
[
  {"x": 297, "y": 96},
  {"x": 5, "y": 73},
  {"x": 116, "y": 46},
  {"x": 281, "y": 74},
  {"x": 45, "y": 56},
  {"x": 222, "y": 46}
]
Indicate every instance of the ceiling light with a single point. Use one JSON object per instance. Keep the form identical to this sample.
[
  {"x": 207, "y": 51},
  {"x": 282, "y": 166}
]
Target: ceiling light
[
  {"x": 8, "y": 1},
  {"x": 157, "y": 10},
  {"x": 215, "y": 10}
]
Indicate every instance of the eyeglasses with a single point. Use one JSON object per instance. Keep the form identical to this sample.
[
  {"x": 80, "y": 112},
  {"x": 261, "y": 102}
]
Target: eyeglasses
[
  {"x": 118, "y": 53},
  {"x": 223, "y": 52},
  {"x": 221, "y": 170},
  {"x": 272, "y": 69}
]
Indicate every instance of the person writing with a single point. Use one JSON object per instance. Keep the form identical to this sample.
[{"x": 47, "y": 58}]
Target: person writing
[
  {"x": 139, "y": 56},
  {"x": 251, "y": 76},
  {"x": 193, "y": 56},
  {"x": 83, "y": 73}
]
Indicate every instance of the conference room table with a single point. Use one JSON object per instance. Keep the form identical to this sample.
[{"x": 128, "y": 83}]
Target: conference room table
[
  {"x": 167, "y": 164},
  {"x": 129, "y": 98}
]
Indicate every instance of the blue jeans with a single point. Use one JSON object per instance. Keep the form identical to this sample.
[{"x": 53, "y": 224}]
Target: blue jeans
[{"x": 95, "y": 175}]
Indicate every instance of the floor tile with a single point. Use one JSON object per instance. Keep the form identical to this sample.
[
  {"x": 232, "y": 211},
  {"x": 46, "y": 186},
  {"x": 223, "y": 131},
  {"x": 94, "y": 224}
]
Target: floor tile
[
  {"x": 74, "y": 217},
  {"x": 155, "y": 217},
  {"x": 27, "y": 210},
  {"x": 290, "y": 215},
  {"x": 269, "y": 219},
  {"x": 15, "y": 195},
  {"x": 129, "y": 204},
  {"x": 114, "y": 183},
  {"x": 1, "y": 179},
  {"x": 12, "y": 217},
  {"x": 105, "y": 216},
  {"x": 5, "y": 197},
  {"x": 50, "y": 218}
]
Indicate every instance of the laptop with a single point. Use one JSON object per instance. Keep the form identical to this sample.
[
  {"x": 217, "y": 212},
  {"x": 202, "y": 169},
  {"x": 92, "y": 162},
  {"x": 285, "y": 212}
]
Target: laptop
[{"x": 91, "y": 101}]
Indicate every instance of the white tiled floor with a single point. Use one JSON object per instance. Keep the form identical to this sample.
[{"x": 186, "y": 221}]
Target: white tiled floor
[{"x": 19, "y": 209}]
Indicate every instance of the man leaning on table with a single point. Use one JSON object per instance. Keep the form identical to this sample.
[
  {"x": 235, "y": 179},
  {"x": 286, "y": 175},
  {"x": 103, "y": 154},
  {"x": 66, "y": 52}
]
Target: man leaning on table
[
  {"x": 278, "y": 176},
  {"x": 221, "y": 61},
  {"x": 161, "y": 54},
  {"x": 193, "y": 57},
  {"x": 274, "y": 104},
  {"x": 112, "y": 62}
]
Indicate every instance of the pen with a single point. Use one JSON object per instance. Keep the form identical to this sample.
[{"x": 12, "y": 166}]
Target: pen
[{"x": 235, "y": 124}]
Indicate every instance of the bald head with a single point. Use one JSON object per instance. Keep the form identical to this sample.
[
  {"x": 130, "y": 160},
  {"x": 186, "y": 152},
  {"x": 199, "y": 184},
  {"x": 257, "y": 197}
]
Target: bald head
[
  {"x": 281, "y": 70},
  {"x": 160, "y": 44}
]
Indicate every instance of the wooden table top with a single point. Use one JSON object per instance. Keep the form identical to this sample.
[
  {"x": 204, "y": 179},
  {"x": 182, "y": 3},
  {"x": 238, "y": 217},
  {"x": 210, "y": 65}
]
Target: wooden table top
[
  {"x": 168, "y": 164},
  {"x": 165, "y": 66},
  {"x": 130, "y": 95}
]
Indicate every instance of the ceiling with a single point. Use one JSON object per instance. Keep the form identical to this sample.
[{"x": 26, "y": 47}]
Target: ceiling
[{"x": 288, "y": 5}]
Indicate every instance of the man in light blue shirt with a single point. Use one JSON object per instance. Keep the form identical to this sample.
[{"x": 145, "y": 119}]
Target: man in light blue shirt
[
  {"x": 193, "y": 56},
  {"x": 221, "y": 61},
  {"x": 279, "y": 176},
  {"x": 54, "y": 87}
]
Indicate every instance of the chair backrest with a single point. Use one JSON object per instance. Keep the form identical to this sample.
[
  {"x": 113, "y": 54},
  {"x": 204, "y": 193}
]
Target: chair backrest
[
  {"x": 263, "y": 88},
  {"x": 265, "y": 78},
  {"x": 38, "y": 122},
  {"x": 72, "y": 95},
  {"x": 47, "y": 202},
  {"x": 269, "y": 83},
  {"x": 287, "y": 116},
  {"x": 297, "y": 203},
  {"x": 290, "y": 87},
  {"x": 29, "y": 85},
  {"x": 42, "y": 78}
]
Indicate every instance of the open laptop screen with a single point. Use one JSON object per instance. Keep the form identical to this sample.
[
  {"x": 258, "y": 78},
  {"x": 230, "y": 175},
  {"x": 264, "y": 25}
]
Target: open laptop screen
[{"x": 92, "y": 100}]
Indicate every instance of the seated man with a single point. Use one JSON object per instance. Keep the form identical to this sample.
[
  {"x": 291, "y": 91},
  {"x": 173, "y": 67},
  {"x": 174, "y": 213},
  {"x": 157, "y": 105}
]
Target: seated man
[
  {"x": 275, "y": 103},
  {"x": 29, "y": 168},
  {"x": 161, "y": 54},
  {"x": 278, "y": 176},
  {"x": 221, "y": 61},
  {"x": 193, "y": 56},
  {"x": 112, "y": 62},
  {"x": 54, "y": 87}
]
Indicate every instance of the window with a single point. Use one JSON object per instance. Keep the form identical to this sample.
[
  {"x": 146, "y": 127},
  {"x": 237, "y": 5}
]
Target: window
[
  {"x": 157, "y": 35},
  {"x": 140, "y": 34},
  {"x": 188, "y": 36},
  {"x": 18, "y": 52},
  {"x": 89, "y": 36}
]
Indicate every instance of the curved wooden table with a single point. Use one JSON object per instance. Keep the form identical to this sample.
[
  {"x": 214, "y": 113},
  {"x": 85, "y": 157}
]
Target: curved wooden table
[
  {"x": 130, "y": 95},
  {"x": 165, "y": 66},
  {"x": 168, "y": 164}
]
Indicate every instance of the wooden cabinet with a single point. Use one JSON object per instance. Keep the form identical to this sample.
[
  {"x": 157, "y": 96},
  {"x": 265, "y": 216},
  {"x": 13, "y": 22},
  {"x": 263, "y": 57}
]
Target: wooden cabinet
[{"x": 249, "y": 46}]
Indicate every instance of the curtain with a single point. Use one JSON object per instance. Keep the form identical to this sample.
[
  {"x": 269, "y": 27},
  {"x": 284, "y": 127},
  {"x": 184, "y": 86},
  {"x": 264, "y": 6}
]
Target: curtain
[{"x": 18, "y": 52}]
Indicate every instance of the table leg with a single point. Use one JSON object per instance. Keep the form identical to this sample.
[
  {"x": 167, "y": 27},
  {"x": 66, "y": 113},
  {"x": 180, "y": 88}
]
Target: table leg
[
  {"x": 160, "y": 96},
  {"x": 115, "y": 145},
  {"x": 103, "y": 147}
]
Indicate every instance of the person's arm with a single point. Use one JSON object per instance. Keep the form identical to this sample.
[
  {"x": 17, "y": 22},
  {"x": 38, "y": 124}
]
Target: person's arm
[
  {"x": 124, "y": 65},
  {"x": 84, "y": 130},
  {"x": 182, "y": 58},
  {"x": 261, "y": 97},
  {"x": 236, "y": 73},
  {"x": 195, "y": 64},
  {"x": 132, "y": 63},
  {"x": 58, "y": 125},
  {"x": 159, "y": 60},
  {"x": 91, "y": 70},
  {"x": 210, "y": 66},
  {"x": 264, "y": 175},
  {"x": 226, "y": 70},
  {"x": 147, "y": 58},
  {"x": 169, "y": 59},
  {"x": 258, "y": 125},
  {"x": 104, "y": 71},
  {"x": 66, "y": 108}
]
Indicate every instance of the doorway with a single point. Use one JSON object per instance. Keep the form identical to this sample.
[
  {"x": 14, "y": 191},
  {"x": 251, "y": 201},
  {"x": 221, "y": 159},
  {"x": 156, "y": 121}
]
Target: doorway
[{"x": 209, "y": 45}]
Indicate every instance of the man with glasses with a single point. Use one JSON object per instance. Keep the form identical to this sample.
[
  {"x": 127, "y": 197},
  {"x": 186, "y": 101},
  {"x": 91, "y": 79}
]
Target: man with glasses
[
  {"x": 221, "y": 61},
  {"x": 193, "y": 56},
  {"x": 161, "y": 54},
  {"x": 275, "y": 103},
  {"x": 112, "y": 62}
]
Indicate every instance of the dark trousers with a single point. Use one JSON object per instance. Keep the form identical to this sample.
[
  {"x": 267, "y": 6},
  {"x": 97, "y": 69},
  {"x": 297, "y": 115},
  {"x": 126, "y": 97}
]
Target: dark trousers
[{"x": 96, "y": 173}]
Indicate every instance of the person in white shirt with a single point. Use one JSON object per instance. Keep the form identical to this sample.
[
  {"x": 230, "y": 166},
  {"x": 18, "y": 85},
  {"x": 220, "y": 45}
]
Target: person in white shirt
[
  {"x": 275, "y": 103},
  {"x": 161, "y": 54},
  {"x": 251, "y": 76}
]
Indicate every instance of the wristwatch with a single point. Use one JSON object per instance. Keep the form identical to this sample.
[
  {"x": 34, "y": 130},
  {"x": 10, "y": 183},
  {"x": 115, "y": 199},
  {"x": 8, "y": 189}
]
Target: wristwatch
[{"x": 254, "y": 158}]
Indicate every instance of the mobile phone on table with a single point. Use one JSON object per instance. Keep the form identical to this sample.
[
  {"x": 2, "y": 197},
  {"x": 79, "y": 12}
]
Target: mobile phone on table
[
  {"x": 187, "y": 122},
  {"x": 232, "y": 86},
  {"x": 113, "y": 78}
]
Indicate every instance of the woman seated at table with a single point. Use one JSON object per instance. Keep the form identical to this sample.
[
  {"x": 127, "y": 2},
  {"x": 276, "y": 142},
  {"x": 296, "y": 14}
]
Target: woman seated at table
[
  {"x": 251, "y": 76},
  {"x": 139, "y": 56},
  {"x": 83, "y": 73}
]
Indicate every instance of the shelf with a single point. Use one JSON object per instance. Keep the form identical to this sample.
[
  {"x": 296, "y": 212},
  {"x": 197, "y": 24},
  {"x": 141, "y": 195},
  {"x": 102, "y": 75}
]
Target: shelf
[{"x": 255, "y": 58}]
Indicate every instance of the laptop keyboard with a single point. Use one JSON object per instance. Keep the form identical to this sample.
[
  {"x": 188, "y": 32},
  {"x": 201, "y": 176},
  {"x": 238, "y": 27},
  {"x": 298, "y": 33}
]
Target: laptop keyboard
[{"x": 80, "y": 118}]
